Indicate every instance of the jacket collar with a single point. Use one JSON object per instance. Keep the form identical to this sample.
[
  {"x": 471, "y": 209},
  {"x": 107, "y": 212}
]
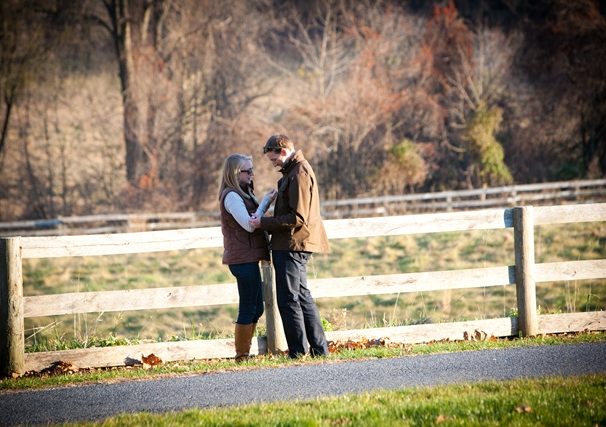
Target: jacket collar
[{"x": 296, "y": 158}]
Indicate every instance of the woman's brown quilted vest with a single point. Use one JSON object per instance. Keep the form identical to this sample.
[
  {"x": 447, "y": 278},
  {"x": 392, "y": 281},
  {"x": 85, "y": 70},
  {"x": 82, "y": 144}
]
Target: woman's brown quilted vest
[{"x": 239, "y": 245}]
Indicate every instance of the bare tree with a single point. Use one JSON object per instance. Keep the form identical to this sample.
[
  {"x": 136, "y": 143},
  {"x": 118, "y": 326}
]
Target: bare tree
[
  {"x": 475, "y": 90},
  {"x": 137, "y": 30},
  {"x": 232, "y": 77},
  {"x": 23, "y": 44},
  {"x": 469, "y": 75},
  {"x": 351, "y": 80},
  {"x": 566, "y": 61},
  {"x": 30, "y": 33},
  {"x": 186, "y": 72}
]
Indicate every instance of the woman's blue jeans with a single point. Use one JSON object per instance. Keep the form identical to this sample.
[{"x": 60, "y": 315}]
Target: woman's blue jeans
[{"x": 250, "y": 291}]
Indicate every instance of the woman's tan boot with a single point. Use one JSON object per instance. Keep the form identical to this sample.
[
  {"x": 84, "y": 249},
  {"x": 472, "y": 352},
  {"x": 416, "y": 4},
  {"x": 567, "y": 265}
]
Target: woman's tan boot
[{"x": 242, "y": 341}]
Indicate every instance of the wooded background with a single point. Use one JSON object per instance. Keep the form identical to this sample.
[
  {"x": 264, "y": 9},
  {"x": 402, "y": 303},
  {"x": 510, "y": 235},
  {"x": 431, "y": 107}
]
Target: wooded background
[{"x": 132, "y": 105}]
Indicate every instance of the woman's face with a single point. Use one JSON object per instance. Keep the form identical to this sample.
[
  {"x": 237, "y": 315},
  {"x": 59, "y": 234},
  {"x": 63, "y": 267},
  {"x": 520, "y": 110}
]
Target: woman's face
[{"x": 245, "y": 176}]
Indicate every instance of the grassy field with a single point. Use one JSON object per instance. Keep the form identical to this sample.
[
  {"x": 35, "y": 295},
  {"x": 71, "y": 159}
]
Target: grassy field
[{"x": 349, "y": 257}]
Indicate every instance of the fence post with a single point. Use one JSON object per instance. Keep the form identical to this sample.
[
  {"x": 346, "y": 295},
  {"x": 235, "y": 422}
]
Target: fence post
[
  {"x": 523, "y": 231},
  {"x": 276, "y": 341},
  {"x": 12, "y": 341}
]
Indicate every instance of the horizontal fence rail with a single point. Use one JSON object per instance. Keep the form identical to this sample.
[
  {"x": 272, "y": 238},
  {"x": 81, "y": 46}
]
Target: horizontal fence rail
[
  {"x": 210, "y": 237},
  {"x": 511, "y": 195},
  {"x": 587, "y": 191},
  {"x": 209, "y": 295},
  {"x": 16, "y": 307}
]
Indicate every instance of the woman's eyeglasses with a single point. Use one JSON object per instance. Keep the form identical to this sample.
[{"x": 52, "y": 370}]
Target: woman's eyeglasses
[{"x": 248, "y": 171}]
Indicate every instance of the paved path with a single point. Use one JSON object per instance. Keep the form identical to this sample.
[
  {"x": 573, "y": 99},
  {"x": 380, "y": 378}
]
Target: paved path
[{"x": 98, "y": 401}]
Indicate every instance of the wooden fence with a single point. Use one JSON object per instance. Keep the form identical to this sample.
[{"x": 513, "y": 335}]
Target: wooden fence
[
  {"x": 524, "y": 274},
  {"x": 548, "y": 193}
]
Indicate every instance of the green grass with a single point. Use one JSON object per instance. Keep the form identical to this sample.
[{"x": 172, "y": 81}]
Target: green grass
[
  {"x": 349, "y": 257},
  {"x": 550, "y": 401}
]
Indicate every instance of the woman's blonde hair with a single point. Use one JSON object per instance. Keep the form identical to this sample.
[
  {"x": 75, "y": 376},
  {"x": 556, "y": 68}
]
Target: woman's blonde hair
[{"x": 231, "y": 171}]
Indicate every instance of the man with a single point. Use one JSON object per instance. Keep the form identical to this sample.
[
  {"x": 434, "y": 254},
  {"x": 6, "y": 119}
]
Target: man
[{"x": 297, "y": 231}]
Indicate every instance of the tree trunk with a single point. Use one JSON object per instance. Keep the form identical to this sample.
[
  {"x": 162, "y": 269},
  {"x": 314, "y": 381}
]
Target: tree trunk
[{"x": 134, "y": 25}]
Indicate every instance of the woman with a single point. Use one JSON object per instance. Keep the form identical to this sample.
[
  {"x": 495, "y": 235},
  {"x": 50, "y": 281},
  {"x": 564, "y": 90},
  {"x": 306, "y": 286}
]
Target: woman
[{"x": 243, "y": 246}]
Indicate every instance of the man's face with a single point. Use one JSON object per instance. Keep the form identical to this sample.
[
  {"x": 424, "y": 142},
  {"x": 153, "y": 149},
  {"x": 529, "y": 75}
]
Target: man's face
[{"x": 276, "y": 158}]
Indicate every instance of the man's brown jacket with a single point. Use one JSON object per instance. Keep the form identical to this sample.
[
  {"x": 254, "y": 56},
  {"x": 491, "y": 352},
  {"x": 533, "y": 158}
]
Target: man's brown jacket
[{"x": 297, "y": 224}]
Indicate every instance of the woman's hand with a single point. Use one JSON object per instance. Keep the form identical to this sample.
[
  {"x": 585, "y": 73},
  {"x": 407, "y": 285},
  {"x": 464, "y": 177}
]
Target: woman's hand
[
  {"x": 271, "y": 194},
  {"x": 254, "y": 221}
]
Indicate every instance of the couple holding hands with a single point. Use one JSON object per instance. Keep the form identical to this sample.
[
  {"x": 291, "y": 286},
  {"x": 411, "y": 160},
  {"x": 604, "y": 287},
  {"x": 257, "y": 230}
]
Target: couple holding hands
[{"x": 296, "y": 231}]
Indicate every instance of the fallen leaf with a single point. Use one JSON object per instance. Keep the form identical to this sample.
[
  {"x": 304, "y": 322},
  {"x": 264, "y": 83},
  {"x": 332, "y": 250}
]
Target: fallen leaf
[
  {"x": 151, "y": 360},
  {"x": 59, "y": 367},
  {"x": 480, "y": 335},
  {"x": 477, "y": 335},
  {"x": 334, "y": 346}
]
